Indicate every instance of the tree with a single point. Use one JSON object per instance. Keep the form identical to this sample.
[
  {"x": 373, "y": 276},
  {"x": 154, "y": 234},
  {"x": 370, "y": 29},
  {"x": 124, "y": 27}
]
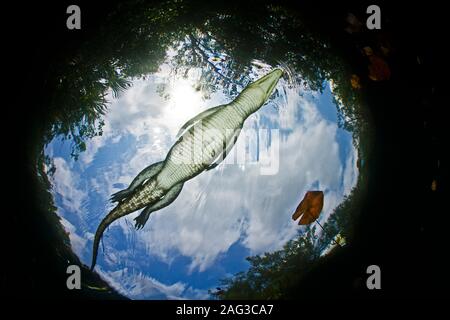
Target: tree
[
  {"x": 274, "y": 275},
  {"x": 133, "y": 41},
  {"x": 221, "y": 40}
]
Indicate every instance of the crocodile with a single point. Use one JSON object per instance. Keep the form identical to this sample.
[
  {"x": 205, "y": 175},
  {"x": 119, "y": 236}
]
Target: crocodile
[{"x": 201, "y": 144}]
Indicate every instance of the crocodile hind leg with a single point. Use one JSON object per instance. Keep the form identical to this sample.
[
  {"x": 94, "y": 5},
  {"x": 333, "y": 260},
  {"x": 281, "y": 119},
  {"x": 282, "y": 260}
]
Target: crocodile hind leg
[
  {"x": 170, "y": 197},
  {"x": 145, "y": 174}
]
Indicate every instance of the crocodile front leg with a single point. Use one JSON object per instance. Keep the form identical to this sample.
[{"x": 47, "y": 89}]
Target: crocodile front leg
[{"x": 145, "y": 174}]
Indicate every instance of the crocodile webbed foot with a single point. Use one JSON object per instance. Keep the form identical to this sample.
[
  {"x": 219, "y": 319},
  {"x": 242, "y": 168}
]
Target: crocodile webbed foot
[
  {"x": 141, "y": 219},
  {"x": 121, "y": 195}
]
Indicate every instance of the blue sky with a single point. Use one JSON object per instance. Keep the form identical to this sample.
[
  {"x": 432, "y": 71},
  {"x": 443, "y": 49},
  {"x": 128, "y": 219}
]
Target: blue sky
[{"x": 221, "y": 216}]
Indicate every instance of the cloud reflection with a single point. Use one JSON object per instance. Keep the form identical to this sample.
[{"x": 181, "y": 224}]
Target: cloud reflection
[{"x": 231, "y": 204}]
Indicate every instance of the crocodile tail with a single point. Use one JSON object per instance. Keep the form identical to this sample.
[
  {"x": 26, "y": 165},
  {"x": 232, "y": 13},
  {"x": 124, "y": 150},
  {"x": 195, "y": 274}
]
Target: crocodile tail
[{"x": 115, "y": 214}]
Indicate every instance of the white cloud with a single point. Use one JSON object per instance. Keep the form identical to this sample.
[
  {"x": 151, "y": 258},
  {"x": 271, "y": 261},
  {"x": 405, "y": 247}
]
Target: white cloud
[
  {"x": 350, "y": 175},
  {"x": 139, "y": 286},
  {"x": 219, "y": 207},
  {"x": 65, "y": 183},
  {"x": 77, "y": 242}
]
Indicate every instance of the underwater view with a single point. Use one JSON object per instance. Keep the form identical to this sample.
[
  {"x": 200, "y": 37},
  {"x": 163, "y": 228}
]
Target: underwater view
[
  {"x": 234, "y": 157},
  {"x": 189, "y": 150},
  {"x": 293, "y": 144}
]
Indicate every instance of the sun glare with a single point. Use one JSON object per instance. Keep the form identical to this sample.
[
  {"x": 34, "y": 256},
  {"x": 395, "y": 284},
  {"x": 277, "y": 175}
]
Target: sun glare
[{"x": 185, "y": 102}]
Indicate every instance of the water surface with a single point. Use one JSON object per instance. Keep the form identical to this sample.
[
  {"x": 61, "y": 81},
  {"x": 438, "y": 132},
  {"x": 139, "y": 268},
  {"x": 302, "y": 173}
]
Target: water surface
[{"x": 221, "y": 216}]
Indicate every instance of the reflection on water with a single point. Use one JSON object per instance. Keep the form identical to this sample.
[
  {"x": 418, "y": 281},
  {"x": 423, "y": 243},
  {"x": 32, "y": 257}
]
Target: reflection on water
[{"x": 221, "y": 216}]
